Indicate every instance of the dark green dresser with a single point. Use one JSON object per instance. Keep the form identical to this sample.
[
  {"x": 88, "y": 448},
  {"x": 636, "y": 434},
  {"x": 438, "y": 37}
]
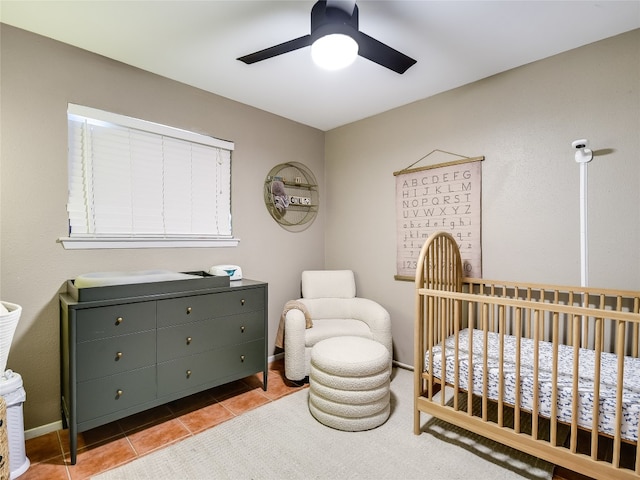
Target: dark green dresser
[{"x": 150, "y": 346}]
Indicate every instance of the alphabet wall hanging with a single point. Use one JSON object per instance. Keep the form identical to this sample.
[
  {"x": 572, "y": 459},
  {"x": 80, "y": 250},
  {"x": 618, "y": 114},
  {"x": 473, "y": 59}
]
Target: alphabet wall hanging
[{"x": 444, "y": 197}]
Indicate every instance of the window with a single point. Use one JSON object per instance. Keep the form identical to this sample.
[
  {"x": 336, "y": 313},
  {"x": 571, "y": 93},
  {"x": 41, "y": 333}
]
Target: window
[{"x": 134, "y": 183}]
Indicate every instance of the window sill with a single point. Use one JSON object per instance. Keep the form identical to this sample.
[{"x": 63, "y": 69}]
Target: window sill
[{"x": 112, "y": 243}]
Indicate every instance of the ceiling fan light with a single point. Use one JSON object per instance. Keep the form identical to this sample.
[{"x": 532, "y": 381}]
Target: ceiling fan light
[{"x": 334, "y": 51}]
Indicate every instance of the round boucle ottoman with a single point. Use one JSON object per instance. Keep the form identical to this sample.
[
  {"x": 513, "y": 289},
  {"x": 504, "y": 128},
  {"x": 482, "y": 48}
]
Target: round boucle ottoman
[{"x": 349, "y": 383}]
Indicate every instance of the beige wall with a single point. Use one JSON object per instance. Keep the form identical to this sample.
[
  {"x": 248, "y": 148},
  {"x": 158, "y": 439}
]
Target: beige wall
[
  {"x": 39, "y": 77},
  {"x": 523, "y": 121}
]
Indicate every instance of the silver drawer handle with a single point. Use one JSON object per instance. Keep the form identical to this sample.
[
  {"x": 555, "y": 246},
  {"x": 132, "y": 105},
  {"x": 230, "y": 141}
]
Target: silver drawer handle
[
  {"x": 118, "y": 356},
  {"x": 188, "y": 373},
  {"x": 188, "y": 310},
  {"x": 242, "y": 329},
  {"x": 119, "y": 393},
  {"x": 119, "y": 320},
  {"x": 242, "y": 302},
  {"x": 242, "y": 358},
  {"x": 189, "y": 339}
]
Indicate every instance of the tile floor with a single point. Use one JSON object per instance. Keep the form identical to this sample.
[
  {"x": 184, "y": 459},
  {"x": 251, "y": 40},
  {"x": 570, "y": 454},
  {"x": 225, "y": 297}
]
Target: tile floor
[
  {"x": 108, "y": 446},
  {"x": 116, "y": 443}
]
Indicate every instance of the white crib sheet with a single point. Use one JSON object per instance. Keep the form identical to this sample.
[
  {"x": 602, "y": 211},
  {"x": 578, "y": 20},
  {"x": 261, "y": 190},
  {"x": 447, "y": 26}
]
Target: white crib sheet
[{"x": 631, "y": 394}]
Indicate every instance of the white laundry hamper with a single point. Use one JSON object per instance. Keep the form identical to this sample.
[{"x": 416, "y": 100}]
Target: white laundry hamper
[
  {"x": 12, "y": 390},
  {"x": 9, "y": 316}
]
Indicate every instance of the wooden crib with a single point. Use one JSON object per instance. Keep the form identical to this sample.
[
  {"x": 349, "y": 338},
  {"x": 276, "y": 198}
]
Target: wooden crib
[{"x": 532, "y": 358}]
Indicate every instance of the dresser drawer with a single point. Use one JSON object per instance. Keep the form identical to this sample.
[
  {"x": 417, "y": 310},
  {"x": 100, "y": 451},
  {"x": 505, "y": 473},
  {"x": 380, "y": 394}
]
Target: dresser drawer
[
  {"x": 241, "y": 301},
  {"x": 109, "y": 356},
  {"x": 94, "y": 323},
  {"x": 187, "y": 339},
  {"x": 117, "y": 392},
  {"x": 247, "y": 327},
  {"x": 196, "y": 337},
  {"x": 187, "y": 372},
  {"x": 201, "y": 307}
]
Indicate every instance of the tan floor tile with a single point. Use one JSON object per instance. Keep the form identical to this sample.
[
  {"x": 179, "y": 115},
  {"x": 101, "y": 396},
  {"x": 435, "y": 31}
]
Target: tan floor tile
[
  {"x": 43, "y": 447},
  {"x": 94, "y": 436},
  {"x": 279, "y": 387},
  {"x": 246, "y": 401},
  {"x": 100, "y": 458},
  {"x": 191, "y": 402},
  {"x": 206, "y": 417},
  {"x": 255, "y": 381},
  {"x": 151, "y": 438},
  {"x": 147, "y": 417},
  {"x": 50, "y": 469},
  {"x": 229, "y": 390}
]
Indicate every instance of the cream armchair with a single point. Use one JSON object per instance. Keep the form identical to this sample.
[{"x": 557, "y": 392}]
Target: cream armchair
[{"x": 330, "y": 300}]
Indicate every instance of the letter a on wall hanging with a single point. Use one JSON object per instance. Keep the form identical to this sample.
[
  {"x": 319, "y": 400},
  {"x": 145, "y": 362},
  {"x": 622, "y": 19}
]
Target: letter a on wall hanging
[{"x": 444, "y": 197}]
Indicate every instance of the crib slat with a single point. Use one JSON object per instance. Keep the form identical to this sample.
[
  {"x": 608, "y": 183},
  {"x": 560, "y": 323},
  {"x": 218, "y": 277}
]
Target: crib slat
[
  {"x": 456, "y": 353},
  {"x": 636, "y": 309},
  {"x": 585, "y": 323},
  {"x": 443, "y": 358},
  {"x": 529, "y": 333},
  {"x": 619, "y": 389},
  {"x": 541, "y": 322},
  {"x": 516, "y": 410},
  {"x": 501, "y": 328},
  {"x": 574, "y": 385},
  {"x": 430, "y": 343},
  {"x": 602, "y": 307},
  {"x": 485, "y": 368},
  {"x": 570, "y": 340},
  {"x": 554, "y": 384},
  {"x": 492, "y": 292},
  {"x": 472, "y": 325},
  {"x": 536, "y": 373},
  {"x": 595, "y": 414}
]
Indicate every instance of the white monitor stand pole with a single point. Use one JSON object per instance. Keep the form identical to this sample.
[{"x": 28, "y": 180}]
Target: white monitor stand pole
[{"x": 583, "y": 157}]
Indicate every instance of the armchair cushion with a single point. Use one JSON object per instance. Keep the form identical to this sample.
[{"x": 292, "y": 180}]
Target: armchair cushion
[
  {"x": 336, "y": 327},
  {"x": 328, "y": 284}
]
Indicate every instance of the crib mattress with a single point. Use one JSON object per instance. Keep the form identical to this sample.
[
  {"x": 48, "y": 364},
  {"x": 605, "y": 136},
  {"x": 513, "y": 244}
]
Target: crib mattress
[{"x": 606, "y": 420}]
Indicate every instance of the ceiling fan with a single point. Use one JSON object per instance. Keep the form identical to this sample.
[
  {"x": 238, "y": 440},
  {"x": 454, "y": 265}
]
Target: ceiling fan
[{"x": 330, "y": 17}]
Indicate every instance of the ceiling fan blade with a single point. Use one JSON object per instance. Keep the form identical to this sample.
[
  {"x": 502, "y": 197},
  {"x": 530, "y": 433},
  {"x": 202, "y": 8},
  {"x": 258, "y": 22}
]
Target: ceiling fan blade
[
  {"x": 276, "y": 50},
  {"x": 382, "y": 54}
]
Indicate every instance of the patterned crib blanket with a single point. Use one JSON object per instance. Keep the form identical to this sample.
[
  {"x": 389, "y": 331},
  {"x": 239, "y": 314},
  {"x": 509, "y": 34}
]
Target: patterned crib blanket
[{"x": 609, "y": 369}]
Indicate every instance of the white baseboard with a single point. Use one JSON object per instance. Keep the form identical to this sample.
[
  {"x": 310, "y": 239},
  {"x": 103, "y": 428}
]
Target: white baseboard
[
  {"x": 403, "y": 365},
  {"x": 42, "y": 430},
  {"x": 277, "y": 356}
]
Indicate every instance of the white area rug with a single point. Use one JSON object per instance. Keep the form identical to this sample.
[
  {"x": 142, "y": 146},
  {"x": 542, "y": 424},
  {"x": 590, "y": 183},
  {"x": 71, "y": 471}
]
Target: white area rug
[{"x": 281, "y": 440}]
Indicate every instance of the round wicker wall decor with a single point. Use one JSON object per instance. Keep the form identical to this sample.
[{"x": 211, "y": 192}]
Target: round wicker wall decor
[{"x": 291, "y": 196}]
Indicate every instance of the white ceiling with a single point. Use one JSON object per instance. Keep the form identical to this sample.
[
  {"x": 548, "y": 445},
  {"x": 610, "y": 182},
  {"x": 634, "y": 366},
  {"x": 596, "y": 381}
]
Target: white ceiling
[{"x": 197, "y": 42}]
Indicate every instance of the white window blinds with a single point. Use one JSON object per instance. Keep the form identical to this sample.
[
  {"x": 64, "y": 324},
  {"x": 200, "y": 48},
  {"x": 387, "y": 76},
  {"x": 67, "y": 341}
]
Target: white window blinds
[{"x": 131, "y": 179}]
